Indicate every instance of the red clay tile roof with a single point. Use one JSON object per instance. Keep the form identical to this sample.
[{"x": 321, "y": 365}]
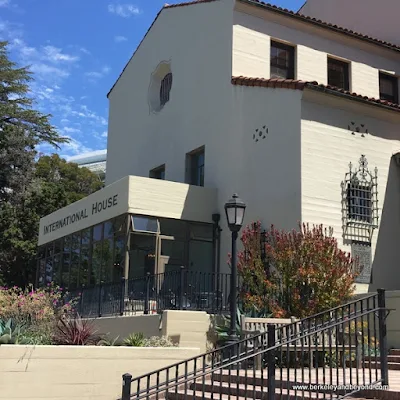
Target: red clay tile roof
[
  {"x": 301, "y": 85},
  {"x": 322, "y": 24},
  {"x": 187, "y": 3}
]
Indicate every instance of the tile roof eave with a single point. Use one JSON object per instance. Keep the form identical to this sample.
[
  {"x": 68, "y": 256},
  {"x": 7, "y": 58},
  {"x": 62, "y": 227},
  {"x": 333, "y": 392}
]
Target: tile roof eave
[
  {"x": 326, "y": 25},
  {"x": 301, "y": 85}
]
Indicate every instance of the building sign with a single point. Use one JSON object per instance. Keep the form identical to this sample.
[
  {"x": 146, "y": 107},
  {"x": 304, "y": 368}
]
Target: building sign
[
  {"x": 96, "y": 208},
  {"x": 107, "y": 203},
  {"x": 363, "y": 253}
]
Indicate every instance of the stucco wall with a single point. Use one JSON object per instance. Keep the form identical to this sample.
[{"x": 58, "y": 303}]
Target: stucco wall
[
  {"x": 327, "y": 148},
  {"x": 253, "y": 29},
  {"x": 77, "y": 372},
  {"x": 197, "y": 111},
  {"x": 393, "y": 320},
  {"x": 371, "y": 17},
  {"x": 264, "y": 172}
]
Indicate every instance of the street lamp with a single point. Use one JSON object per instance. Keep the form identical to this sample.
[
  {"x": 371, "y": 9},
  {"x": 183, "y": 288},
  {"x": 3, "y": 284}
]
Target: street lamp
[{"x": 234, "y": 210}]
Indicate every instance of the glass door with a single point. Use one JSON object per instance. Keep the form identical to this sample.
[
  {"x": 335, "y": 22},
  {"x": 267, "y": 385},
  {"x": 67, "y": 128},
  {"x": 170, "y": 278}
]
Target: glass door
[{"x": 142, "y": 255}]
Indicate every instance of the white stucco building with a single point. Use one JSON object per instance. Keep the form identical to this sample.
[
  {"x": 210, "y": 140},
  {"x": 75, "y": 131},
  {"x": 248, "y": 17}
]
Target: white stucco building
[{"x": 226, "y": 96}]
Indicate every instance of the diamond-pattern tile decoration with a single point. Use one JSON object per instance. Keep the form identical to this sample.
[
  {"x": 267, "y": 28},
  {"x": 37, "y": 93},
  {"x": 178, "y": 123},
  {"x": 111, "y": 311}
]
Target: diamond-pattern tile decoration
[
  {"x": 260, "y": 133},
  {"x": 357, "y": 129}
]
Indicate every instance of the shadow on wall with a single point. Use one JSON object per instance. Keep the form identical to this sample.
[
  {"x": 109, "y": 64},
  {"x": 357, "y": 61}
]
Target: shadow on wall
[{"x": 385, "y": 272}]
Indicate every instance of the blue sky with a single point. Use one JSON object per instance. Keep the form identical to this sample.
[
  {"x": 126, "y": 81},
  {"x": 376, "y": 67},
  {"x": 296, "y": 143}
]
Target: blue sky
[{"x": 77, "y": 49}]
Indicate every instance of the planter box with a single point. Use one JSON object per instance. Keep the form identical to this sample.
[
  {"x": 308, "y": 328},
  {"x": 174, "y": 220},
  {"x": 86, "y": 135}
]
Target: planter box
[{"x": 77, "y": 372}]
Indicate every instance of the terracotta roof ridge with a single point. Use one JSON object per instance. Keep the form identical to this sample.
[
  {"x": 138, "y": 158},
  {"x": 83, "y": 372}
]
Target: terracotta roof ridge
[
  {"x": 187, "y": 3},
  {"x": 325, "y": 24},
  {"x": 300, "y": 85}
]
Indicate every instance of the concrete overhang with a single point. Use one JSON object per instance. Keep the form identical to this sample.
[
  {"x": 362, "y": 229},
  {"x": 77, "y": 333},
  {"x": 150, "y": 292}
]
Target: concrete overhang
[{"x": 134, "y": 195}]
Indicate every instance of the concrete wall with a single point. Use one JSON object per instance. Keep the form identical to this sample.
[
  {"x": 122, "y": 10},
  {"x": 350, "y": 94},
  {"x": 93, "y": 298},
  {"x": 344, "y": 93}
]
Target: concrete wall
[
  {"x": 113, "y": 327},
  {"x": 327, "y": 148},
  {"x": 186, "y": 328},
  {"x": 253, "y": 28},
  {"x": 77, "y": 372},
  {"x": 371, "y": 17},
  {"x": 196, "y": 114}
]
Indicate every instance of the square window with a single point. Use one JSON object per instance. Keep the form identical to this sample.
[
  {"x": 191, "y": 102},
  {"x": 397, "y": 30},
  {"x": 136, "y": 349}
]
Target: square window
[
  {"x": 388, "y": 88},
  {"x": 158, "y": 173},
  {"x": 338, "y": 74},
  {"x": 282, "y": 61},
  {"x": 195, "y": 167}
]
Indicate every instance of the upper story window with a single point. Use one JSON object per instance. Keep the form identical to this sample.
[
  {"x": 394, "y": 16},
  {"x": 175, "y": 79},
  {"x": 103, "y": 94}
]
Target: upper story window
[
  {"x": 338, "y": 74},
  {"x": 195, "y": 167},
  {"x": 282, "y": 61},
  {"x": 165, "y": 89},
  {"x": 158, "y": 173},
  {"x": 388, "y": 88}
]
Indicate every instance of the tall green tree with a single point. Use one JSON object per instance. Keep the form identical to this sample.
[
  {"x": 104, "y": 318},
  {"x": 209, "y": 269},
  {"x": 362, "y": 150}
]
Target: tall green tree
[
  {"x": 55, "y": 184},
  {"x": 22, "y": 128},
  {"x": 29, "y": 189}
]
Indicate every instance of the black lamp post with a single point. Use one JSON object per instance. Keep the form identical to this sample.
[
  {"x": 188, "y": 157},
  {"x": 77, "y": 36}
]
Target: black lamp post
[{"x": 234, "y": 210}]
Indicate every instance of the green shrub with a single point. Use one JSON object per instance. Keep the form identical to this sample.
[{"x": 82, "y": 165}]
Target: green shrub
[{"x": 134, "y": 340}]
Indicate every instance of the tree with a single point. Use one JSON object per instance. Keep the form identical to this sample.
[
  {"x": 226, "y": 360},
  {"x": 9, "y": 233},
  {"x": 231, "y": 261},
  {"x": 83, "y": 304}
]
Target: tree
[
  {"x": 303, "y": 272},
  {"x": 55, "y": 184},
  {"x": 21, "y": 129}
]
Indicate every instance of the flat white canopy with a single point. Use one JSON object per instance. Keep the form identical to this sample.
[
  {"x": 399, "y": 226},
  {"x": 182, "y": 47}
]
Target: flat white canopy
[{"x": 134, "y": 195}]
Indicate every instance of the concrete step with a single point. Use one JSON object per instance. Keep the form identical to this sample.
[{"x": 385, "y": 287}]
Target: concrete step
[
  {"x": 394, "y": 352},
  {"x": 391, "y": 365}
]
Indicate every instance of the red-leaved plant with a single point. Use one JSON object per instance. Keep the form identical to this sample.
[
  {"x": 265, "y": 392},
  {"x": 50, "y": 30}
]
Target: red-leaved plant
[
  {"x": 298, "y": 273},
  {"x": 76, "y": 332}
]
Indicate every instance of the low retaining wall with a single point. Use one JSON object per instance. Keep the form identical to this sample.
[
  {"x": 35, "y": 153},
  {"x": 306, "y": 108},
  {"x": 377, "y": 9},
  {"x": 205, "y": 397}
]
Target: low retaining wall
[
  {"x": 393, "y": 320},
  {"x": 77, "y": 372}
]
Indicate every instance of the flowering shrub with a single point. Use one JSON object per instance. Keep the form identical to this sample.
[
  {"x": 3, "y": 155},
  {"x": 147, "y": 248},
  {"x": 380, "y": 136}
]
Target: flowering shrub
[
  {"x": 303, "y": 271},
  {"x": 37, "y": 309}
]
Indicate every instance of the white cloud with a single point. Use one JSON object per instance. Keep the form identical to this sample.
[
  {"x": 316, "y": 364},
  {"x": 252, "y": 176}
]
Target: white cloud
[
  {"x": 44, "y": 70},
  {"x": 104, "y": 134},
  {"x": 56, "y": 55},
  {"x": 84, "y": 50},
  {"x": 123, "y": 10},
  {"x": 69, "y": 130},
  {"x": 5, "y": 3},
  {"x": 94, "y": 75},
  {"x": 119, "y": 39}
]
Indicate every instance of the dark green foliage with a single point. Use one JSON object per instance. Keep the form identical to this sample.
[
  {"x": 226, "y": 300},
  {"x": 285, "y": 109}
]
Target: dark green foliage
[{"x": 29, "y": 188}]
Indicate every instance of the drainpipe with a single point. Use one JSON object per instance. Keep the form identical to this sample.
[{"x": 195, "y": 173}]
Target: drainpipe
[{"x": 217, "y": 250}]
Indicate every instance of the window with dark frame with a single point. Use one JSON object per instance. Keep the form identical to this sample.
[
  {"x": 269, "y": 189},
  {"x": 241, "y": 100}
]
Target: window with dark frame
[
  {"x": 338, "y": 74},
  {"x": 165, "y": 89},
  {"x": 158, "y": 173},
  {"x": 359, "y": 202},
  {"x": 195, "y": 167},
  {"x": 282, "y": 61},
  {"x": 388, "y": 88}
]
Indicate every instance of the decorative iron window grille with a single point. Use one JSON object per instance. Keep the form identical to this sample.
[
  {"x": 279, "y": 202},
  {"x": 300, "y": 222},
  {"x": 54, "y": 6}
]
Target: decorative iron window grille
[
  {"x": 360, "y": 197},
  {"x": 165, "y": 89}
]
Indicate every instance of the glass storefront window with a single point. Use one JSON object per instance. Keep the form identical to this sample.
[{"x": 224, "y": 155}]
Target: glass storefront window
[
  {"x": 173, "y": 227},
  {"x": 57, "y": 269},
  {"x": 201, "y": 232},
  {"x": 119, "y": 258},
  {"x": 75, "y": 260},
  {"x": 201, "y": 256},
  {"x": 49, "y": 270},
  {"x": 85, "y": 254},
  {"x": 66, "y": 262},
  {"x": 107, "y": 260},
  {"x": 144, "y": 224},
  {"x": 96, "y": 276},
  {"x": 97, "y": 233}
]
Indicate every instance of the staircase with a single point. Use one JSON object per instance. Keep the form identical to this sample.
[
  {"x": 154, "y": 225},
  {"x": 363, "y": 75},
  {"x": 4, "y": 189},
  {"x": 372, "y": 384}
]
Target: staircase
[{"x": 287, "y": 362}]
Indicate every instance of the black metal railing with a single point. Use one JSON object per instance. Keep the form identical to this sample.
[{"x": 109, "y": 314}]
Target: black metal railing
[
  {"x": 176, "y": 290},
  {"x": 342, "y": 350}
]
